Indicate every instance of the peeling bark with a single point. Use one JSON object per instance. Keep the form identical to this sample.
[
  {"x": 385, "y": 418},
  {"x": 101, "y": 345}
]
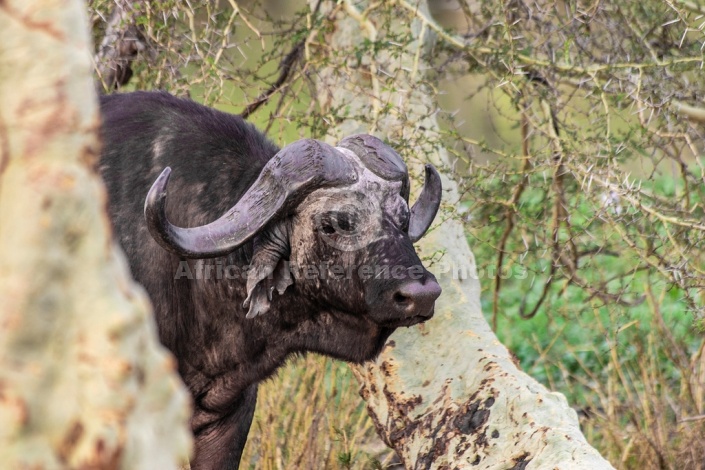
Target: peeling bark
[
  {"x": 84, "y": 382},
  {"x": 445, "y": 394}
]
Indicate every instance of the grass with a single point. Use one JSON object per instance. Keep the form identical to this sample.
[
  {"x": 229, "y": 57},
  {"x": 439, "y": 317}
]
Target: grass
[{"x": 310, "y": 415}]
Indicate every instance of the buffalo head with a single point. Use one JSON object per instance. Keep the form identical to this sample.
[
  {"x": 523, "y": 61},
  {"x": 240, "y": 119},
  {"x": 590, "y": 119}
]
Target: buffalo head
[{"x": 334, "y": 222}]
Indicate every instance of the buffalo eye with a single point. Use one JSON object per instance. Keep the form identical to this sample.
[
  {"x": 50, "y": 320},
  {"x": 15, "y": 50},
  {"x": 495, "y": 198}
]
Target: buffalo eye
[{"x": 333, "y": 222}]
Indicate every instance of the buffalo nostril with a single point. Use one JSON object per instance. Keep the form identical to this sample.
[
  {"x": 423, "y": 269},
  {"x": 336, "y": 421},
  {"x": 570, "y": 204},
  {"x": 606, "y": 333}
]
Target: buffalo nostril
[{"x": 415, "y": 298}]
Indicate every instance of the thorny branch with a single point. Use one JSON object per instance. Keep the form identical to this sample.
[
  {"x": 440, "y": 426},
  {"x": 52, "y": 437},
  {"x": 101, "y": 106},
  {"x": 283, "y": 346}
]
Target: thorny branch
[
  {"x": 286, "y": 67},
  {"x": 510, "y": 213}
]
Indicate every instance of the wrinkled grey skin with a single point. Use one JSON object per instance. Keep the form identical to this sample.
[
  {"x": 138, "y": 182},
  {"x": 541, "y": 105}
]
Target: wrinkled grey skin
[{"x": 216, "y": 160}]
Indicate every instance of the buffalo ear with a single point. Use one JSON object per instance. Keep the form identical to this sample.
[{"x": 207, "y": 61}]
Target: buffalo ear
[
  {"x": 424, "y": 210},
  {"x": 269, "y": 270}
]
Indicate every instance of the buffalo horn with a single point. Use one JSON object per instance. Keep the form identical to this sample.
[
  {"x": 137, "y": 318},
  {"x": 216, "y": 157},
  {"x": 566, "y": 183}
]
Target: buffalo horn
[
  {"x": 379, "y": 158},
  {"x": 297, "y": 170},
  {"x": 426, "y": 206}
]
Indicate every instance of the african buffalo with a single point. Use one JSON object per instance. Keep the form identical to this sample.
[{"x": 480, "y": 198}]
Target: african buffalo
[{"x": 307, "y": 248}]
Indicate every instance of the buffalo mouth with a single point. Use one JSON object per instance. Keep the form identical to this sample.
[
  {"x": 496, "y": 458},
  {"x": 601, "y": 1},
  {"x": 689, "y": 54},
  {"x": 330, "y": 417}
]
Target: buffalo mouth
[
  {"x": 407, "y": 322},
  {"x": 368, "y": 321}
]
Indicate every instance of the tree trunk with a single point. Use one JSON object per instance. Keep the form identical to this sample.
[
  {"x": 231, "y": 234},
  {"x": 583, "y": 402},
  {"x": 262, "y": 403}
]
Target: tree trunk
[
  {"x": 122, "y": 42},
  {"x": 84, "y": 382},
  {"x": 445, "y": 394}
]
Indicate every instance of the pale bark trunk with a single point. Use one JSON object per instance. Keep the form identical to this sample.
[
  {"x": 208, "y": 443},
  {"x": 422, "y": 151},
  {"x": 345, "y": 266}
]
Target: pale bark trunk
[
  {"x": 445, "y": 394},
  {"x": 83, "y": 380}
]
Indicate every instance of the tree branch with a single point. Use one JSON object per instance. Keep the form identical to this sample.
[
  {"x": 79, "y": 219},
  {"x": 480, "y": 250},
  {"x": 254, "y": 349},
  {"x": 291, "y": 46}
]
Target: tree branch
[
  {"x": 691, "y": 112},
  {"x": 286, "y": 67},
  {"x": 122, "y": 42}
]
